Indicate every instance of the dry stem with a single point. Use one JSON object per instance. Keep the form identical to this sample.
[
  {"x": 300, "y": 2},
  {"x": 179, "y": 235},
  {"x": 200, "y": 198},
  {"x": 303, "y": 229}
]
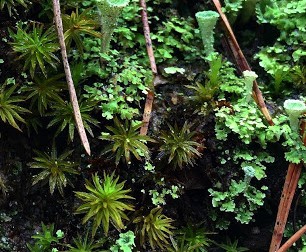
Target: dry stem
[
  {"x": 73, "y": 97},
  {"x": 292, "y": 240},
  {"x": 292, "y": 178},
  {"x": 242, "y": 62},
  {"x": 150, "y": 95}
]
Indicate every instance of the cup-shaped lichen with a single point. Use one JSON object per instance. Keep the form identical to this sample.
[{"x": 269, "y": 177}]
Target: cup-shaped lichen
[
  {"x": 248, "y": 10},
  {"x": 249, "y": 173},
  {"x": 249, "y": 78},
  {"x": 294, "y": 109},
  {"x": 109, "y": 11},
  {"x": 207, "y": 21}
]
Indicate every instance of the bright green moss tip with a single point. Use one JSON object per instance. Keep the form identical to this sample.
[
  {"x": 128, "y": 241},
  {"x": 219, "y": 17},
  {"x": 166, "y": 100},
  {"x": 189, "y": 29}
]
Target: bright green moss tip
[
  {"x": 294, "y": 109},
  {"x": 207, "y": 21}
]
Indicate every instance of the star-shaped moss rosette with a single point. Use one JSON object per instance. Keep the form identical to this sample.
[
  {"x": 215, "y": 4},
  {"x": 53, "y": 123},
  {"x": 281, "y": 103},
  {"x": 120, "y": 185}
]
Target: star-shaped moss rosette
[{"x": 104, "y": 202}]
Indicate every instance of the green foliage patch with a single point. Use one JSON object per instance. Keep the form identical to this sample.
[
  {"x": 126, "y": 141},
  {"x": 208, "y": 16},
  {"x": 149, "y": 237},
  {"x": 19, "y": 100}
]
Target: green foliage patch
[
  {"x": 126, "y": 140},
  {"x": 54, "y": 169},
  {"x": 64, "y": 116},
  {"x": 84, "y": 245},
  {"x": 104, "y": 202},
  {"x": 10, "y": 5},
  {"x": 179, "y": 145},
  {"x": 10, "y": 111},
  {"x": 194, "y": 237},
  {"x": 155, "y": 227},
  {"x": 36, "y": 47},
  {"x": 45, "y": 91},
  {"x": 125, "y": 243},
  {"x": 45, "y": 239},
  {"x": 77, "y": 24},
  {"x": 243, "y": 209},
  {"x": 112, "y": 78}
]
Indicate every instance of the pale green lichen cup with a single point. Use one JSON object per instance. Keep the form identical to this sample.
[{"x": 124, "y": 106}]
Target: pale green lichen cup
[
  {"x": 109, "y": 11},
  {"x": 294, "y": 109},
  {"x": 249, "y": 173},
  {"x": 207, "y": 21},
  {"x": 249, "y": 78}
]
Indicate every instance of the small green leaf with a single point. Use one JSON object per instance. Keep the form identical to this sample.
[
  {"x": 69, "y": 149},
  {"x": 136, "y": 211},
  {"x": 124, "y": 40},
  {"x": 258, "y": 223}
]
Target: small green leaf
[{"x": 173, "y": 70}]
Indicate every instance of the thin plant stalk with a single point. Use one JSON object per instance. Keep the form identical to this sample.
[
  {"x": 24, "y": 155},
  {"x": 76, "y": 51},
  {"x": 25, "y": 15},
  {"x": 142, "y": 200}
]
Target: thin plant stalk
[
  {"x": 241, "y": 61},
  {"x": 73, "y": 96},
  {"x": 293, "y": 174},
  {"x": 150, "y": 95},
  {"x": 290, "y": 185},
  {"x": 292, "y": 239}
]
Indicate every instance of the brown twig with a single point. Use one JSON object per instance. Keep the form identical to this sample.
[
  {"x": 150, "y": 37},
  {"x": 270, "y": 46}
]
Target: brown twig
[
  {"x": 241, "y": 61},
  {"x": 292, "y": 240},
  {"x": 73, "y": 97},
  {"x": 150, "y": 95},
  {"x": 293, "y": 174},
  {"x": 291, "y": 181}
]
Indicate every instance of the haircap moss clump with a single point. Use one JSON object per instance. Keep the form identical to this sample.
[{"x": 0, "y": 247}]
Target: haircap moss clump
[
  {"x": 10, "y": 5},
  {"x": 109, "y": 12},
  {"x": 294, "y": 109},
  {"x": 155, "y": 227},
  {"x": 207, "y": 21},
  {"x": 105, "y": 202},
  {"x": 249, "y": 78}
]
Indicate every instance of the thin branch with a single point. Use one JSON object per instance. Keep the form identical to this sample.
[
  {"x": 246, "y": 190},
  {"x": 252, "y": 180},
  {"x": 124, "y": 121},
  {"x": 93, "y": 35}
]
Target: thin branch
[
  {"x": 150, "y": 95},
  {"x": 73, "y": 97},
  {"x": 292, "y": 240},
  {"x": 291, "y": 181},
  {"x": 293, "y": 174},
  {"x": 241, "y": 61}
]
